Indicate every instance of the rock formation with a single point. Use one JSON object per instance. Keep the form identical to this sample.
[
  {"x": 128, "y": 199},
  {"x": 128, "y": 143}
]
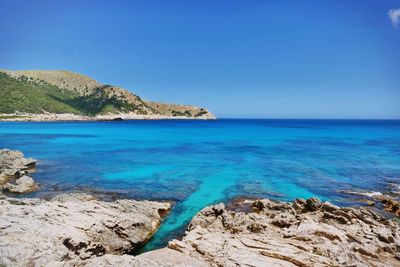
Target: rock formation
[
  {"x": 303, "y": 233},
  {"x": 389, "y": 202},
  {"x": 76, "y": 230},
  {"x": 13, "y": 167},
  {"x": 71, "y": 228},
  {"x": 24, "y": 184}
]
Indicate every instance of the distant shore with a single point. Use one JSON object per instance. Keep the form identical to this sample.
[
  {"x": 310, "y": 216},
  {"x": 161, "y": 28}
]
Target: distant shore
[{"x": 110, "y": 117}]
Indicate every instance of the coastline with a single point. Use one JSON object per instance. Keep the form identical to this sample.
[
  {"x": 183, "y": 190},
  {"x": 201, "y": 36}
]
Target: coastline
[
  {"x": 68, "y": 117},
  {"x": 84, "y": 231},
  {"x": 81, "y": 230}
]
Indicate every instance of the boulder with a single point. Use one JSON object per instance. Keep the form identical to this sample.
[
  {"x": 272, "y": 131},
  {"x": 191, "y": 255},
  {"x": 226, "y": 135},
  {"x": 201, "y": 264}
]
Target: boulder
[
  {"x": 13, "y": 161},
  {"x": 313, "y": 204},
  {"x": 24, "y": 184},
  {"x": 14, "y": 165}
]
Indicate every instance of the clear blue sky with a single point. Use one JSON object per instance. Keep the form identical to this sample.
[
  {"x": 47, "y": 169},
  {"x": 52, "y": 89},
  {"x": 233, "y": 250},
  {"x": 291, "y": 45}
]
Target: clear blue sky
[{"x": 274, "y": 59}]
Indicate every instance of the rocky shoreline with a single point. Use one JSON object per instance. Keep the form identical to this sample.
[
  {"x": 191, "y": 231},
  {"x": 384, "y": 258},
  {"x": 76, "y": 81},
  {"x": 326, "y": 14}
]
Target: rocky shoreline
[
  {"x": 73, "y": 228},
  {"x": 80, "y": 230},
  {"x": 14, "y": 168},
  {"x": 111, "y": 117},
  {"x": 302, "y": 233}
]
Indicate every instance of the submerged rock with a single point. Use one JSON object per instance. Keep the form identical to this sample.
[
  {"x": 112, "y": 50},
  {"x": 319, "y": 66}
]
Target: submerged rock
[
  {"x": 13, "y": 165},
  {"x": 72, "y": 228},
  {"x": 386, "y": 202},
  {"x": 389, "y": 203}
]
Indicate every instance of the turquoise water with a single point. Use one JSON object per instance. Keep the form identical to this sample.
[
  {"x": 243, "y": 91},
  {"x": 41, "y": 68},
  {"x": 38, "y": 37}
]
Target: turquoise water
[{"x": 197, "y": 163}]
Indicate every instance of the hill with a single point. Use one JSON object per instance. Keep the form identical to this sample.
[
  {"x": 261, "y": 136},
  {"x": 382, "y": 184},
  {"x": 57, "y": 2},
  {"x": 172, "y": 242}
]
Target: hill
[{"x": 30, "y": 93}]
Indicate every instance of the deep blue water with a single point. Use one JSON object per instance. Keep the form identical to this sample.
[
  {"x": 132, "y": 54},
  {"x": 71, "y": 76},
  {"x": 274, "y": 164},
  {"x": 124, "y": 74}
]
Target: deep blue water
[{"x": 196, "y": 163}]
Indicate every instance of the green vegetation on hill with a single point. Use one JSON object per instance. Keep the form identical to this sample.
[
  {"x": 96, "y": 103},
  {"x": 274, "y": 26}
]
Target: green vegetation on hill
[
  {"x": 101, "y": 103},
  {"x": 59, "y": 91},
  {"x": 22, "y": 94},
  {"x": 185, "y": 113}
]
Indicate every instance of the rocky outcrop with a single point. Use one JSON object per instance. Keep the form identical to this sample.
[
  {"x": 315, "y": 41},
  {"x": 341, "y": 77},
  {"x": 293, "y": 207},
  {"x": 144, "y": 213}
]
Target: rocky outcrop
[
  {"x": 14, "y": 164},
  {"x": 13, "y": 167},
  {"x": 24, "y": 184},
  {"x": 71, "y": 228},
  {"x": 389, "y": 202},
  {"x": 303, "y": 233},
  {"x": 180, "y": 111}
]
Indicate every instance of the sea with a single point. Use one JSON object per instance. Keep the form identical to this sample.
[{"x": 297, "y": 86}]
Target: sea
[{"x": 195, "y": 163}]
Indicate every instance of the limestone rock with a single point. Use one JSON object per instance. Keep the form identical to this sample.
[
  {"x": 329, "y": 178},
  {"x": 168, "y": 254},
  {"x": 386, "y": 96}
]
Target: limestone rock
[
  {"x": 13, "y": 164},
  {"x": 158, "y": 258},
  {"x": 73, "y": 228},
  {"x": 24, "y": 184},
  {"x": 78, "y": 230},
  {"x": 305, "y": 233}
]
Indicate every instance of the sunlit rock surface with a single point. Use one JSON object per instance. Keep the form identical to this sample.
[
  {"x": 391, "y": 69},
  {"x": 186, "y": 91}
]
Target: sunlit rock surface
[
  {"x": 73, "y": 227},
  {"x": 303, "y": 233},
  {"x": 13, "y": 169}
]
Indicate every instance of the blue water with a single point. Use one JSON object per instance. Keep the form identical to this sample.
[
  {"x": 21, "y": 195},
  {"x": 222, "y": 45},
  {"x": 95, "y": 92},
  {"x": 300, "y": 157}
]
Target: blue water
[{"x": 197, "y": 163}]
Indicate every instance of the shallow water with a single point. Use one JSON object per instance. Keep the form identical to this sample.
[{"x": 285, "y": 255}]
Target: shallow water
[{"x": 197, "y": 163}]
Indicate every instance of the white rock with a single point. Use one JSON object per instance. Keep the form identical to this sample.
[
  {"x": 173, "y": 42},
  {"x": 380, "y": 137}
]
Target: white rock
[
  {"x": 158, "y": 258},
  {"x": 37, "y": 232},
  {"x": 13, "y": 165},
  {"x": 24, "y": 184},
  {"x": 313, "y": 234}
]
